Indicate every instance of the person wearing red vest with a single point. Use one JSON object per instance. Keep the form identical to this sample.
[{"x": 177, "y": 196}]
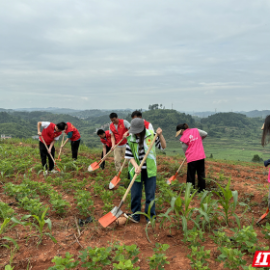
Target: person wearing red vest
[
  {"x": 118, "y": 128},
  {"x": 106, "y": 140},
  {"x": 192, "y": 145},
  {"x": 50, "y": 134},
  {"x": 138, "y": 114},
  {"x": 74, "y": 137}
]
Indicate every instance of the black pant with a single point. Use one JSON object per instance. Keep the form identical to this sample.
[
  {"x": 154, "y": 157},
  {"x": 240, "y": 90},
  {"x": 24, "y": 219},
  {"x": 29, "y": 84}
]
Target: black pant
[
  {"x": 198, "y": 166},
  {"x": 102, "y": 165},
  {"x": 74, "y": 148},
  {"x": 44, "y": 154}
]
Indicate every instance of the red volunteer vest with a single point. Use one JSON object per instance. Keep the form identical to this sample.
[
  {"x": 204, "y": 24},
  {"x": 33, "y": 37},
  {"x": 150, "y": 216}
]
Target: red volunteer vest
[
  {"x": 49, "y": 134},
  {"x": 108, "y": 140},
  {"x": 146, "y": 124},
  {"x": 75, "y": 135},
  {"x": 118, "y": 134}
]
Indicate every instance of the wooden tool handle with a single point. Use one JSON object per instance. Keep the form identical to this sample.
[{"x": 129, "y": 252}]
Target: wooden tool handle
[
  {"x": 123, "y": 165},
  {"x": 135, "y": 176},
  {"x": 61, "y": 145},
  {"x": 181, "y": 165},
  {"x": 110, "y": 151},
  {"x": 47, "y": 149}
]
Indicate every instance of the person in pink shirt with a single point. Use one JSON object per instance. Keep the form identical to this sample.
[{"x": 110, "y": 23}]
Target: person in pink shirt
[{"x": 191, "y": 139}]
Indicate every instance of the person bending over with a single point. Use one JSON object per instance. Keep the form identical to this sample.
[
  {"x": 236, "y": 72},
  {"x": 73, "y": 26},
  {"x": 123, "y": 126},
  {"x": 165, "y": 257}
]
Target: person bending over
[
  {"x": 74, "y": 137},
  {"x": 105, "y": 138},
  {"x": 191, "y": 139},
  {"x": 50, "y": 133}
]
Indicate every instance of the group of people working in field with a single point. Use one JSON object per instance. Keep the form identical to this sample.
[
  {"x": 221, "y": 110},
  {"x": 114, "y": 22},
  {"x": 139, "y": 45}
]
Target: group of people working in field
[{"x": 131, "y": 141}]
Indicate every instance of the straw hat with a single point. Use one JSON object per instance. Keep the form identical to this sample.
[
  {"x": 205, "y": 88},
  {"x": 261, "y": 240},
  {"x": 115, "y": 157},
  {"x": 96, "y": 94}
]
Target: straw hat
[{"x": 179, "y": 128}]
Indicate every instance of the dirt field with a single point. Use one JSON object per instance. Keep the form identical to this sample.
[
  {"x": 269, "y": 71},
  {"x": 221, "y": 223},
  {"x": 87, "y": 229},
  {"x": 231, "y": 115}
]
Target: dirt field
[{"x": 248, "y": 179}]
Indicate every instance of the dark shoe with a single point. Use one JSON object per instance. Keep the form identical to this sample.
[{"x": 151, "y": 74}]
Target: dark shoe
[{"x": 129, "y": 217}]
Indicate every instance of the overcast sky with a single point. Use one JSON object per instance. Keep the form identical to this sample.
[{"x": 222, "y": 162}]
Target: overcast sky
[{"x": 102, "y": 54}]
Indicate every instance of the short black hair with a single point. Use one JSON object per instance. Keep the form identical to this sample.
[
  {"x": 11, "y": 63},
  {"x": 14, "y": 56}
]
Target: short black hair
[
  {"x": 61, "y": 125},
  {"x": 113, "y": 115},
  {"x": 100, "y": 132},
  {"x": 136, "y": 113}
]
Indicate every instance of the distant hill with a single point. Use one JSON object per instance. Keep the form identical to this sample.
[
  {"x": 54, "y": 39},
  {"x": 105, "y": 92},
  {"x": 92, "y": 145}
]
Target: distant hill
[
  {"x": 49, "y": 109},
  {"x": 256, "y": 113},
  {"x": 98, "y": 113},
  {"x": 168, "y": 120},
  {"x": 222, "y": 125}
]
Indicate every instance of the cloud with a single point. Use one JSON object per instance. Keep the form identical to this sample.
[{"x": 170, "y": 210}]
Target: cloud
[{"x": 120, "y": 54}]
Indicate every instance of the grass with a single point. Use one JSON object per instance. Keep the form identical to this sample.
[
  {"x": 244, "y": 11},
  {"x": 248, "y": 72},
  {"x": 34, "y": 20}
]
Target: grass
[{"x": 225, "y": 149}]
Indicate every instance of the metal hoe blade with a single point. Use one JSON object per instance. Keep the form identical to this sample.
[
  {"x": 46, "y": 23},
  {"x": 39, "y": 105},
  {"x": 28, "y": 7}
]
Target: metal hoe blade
[
  {"x": 171, "y": 179},
  {"x": 114, "y": 182},
  {"x": 263, "y": 216},
  {"x": 94, "y": 166},
  {"x": 109, "y": 218}
]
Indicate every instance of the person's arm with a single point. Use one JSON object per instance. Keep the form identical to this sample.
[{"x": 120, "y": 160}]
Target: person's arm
[
  {"x": 43, "y": 125},
  {"x": 38, "y": 128},
  {"x": 135, "y": 165},
  {"x": 203, "y": 133},
  {"x": 65, "y": 142},
  {"x": 161, "y": 138},
  {"x": 126, "y": 124},
  {"x": 129, "y": 155},
  {"x": 51, "y": 146},
  {"x": 184, "y": 147},
  {"x": 113, "y": 141},
  {"x": 104, "y": 150}
]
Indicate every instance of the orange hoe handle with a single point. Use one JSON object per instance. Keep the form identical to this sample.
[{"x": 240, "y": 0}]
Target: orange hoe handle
[{"x": 50, "y": 154}]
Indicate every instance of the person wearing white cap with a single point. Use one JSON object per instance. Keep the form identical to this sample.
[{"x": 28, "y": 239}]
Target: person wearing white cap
[
  {"x": 193, "y": 148},
  {"x": 137, "y": 145}
]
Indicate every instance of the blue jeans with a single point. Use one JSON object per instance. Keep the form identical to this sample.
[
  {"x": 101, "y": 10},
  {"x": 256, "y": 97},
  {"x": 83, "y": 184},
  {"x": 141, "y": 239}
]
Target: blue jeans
[{"x": 136, "y": 194}]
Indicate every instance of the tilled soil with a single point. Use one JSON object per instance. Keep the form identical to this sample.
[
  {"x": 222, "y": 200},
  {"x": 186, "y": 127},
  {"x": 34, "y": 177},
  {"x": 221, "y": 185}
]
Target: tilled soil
[{"x": 249, "y": 180}]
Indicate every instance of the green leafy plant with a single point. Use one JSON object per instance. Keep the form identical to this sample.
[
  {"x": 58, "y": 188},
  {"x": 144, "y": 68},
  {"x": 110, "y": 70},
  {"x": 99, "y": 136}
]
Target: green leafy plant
[
  {"x": 193, "y": 236},
  {"x": 232, "y": 258},
  {"x": 96, "y": 258},
  {"x": 125, "y": 265},
  {"x": 5, "y": 211},
  {"x": 67, "y": 262},
  {"x": 208, "y": 210},
  {"x": 152, "y": 219},
  {"x": 41, "y": 223},
  {"x": 124, "y": 252},
  {"x": 34, "y": 206},
  {"x": 246, "y": 239},
  {"x": 159, "y": 259},
  {"x": 198, "y": 258},
  {"x": 181, "y": 208},
  {"x": 59, "y": 205},
  {"x": 85, "y": 203},
  {"x": 225, "y": 195}
]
